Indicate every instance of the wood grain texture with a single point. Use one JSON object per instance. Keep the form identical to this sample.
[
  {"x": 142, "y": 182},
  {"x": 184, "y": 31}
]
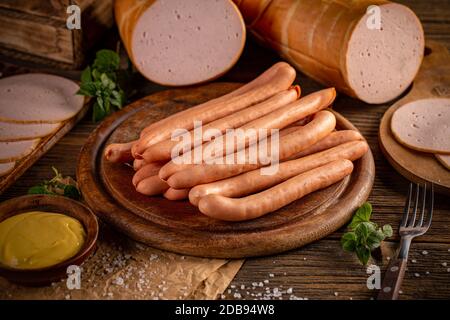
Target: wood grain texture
[
  {"x": 178, "y": 226},
  {"x": 327, "y": 269}
]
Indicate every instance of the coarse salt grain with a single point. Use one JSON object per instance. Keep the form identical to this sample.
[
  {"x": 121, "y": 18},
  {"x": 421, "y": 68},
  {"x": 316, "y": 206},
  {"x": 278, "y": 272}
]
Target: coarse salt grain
[
  {"x": 237, "y": 295},
  {"x": 242, "y": 287},
  {"x": 266, "y": 281},
  {"x": 444, "y": 264},
  {"x": 416, "y": 275},
  {"x": 289, "y": 291},
  {"x": 424, "y": 252},
  {"x": 336, "y": 294},
  {"x": 271, "y": 275},
  {"x": 413, "y": 260}
]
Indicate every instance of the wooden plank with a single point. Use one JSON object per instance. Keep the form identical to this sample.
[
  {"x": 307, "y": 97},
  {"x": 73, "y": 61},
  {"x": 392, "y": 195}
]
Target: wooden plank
[
  {"x": 321, "y": 269},
  {"x": 36, "y": 38},
  {"x": 55, "y": 8}
]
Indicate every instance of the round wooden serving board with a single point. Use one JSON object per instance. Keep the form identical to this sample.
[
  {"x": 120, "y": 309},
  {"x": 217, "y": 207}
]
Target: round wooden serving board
[
  {"x": 177, "y": 225},
  {"x": 432, "y": 81}
]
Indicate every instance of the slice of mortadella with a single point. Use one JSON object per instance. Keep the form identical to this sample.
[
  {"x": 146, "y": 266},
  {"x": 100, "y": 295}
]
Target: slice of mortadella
[
  {"x": 11, "y": 151},
  {"x": 423, "y": 125},
  {"x": 6, "y": 168},
  {"x": 10, "y": 131},
  {"x": 38, "y": 98},
  {"x": 444, "y": 159},
  {"x": 178, "y": 43}
]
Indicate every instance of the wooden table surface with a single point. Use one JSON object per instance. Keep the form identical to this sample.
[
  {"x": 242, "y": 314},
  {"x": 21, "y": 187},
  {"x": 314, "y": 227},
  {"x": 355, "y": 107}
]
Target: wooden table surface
[{"x": 321, "y": 270}]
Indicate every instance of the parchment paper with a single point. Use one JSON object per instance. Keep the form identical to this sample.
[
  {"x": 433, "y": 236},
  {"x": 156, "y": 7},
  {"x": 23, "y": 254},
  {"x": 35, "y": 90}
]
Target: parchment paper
[{"x": 121, "y": 268}]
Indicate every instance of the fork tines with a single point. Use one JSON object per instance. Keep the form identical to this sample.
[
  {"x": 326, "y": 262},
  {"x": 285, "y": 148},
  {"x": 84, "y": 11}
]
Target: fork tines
[{"x": 422, "y": 196}]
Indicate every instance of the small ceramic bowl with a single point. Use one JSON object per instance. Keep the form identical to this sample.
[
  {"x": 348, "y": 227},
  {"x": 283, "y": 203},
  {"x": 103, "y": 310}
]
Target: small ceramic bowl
[{"x": 56, "y": 204}]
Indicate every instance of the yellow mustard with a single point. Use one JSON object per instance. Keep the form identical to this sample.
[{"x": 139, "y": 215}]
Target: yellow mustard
[{"x": 38, "y": 239}]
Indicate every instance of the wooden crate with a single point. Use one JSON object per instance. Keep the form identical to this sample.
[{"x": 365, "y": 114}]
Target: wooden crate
[{"x": 36, "y": 30}]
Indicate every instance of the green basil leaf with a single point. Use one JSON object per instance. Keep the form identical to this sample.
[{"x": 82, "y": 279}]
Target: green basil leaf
[
  {"x": 362, "y": 231},
  {"x": 98, "y": 113},
  {"x": 387, "y": 230},
  {"x": 86, "y": 75},
  {"x": 374, "y": 239},
  {"x": 72, "y": 192},
  {"x": 348, "y": 241},
  {"x": 106, "y": 61},
  {"x": 40, "y": 189},
  {"x": 87, "y": 89},
  {"x": 363, "y": 254},
  {"x": 362, "y": 215}
]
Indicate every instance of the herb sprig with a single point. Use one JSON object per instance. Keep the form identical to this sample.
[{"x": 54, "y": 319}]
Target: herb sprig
[
  {"x": 100, "y": 81},
  {"x": 364, "y": 236},
  {"x": 58, "y": 185}
]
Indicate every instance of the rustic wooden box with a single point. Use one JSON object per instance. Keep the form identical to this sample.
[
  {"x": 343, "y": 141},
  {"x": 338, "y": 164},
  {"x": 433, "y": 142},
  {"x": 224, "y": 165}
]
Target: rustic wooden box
[{"x": 36, "y": 31}]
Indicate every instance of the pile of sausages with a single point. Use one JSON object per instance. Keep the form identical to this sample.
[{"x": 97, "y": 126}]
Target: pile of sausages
[{"x": 312, "y": 154}]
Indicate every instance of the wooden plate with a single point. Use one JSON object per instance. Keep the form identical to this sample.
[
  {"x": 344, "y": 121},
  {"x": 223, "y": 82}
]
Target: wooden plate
[
  {"x": 179, "y": 226},
  {"x": 432, "y": 81}
]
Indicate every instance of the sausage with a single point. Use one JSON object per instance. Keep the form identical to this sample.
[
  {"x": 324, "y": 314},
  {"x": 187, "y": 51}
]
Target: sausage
[
  {"x": 358, "y": 48},
  {"x": 176, "y": 194},
  {"x": 138, "y": 164},
  {"x": 278, "y": 119},
  {"x": 252, "y": 181},
  {"x": 162, "y": 150},
  {"x": 281, "y": 78},
  {"x": 152, "y": 186},
  {"x": 333, "y": 139},
  {"x": 170, "y": 168},
  {"x": 119, "y": 152},
  {"x": 286, "y": 115},
  {"x": 257, "y": 205},
  {"x": 146, "y": 171},
  {"x": 323, "y": 123}
]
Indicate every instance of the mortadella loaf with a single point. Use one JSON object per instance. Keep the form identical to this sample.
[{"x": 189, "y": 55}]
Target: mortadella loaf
[
  {"x": 177, "y": 43},
  {"x": 371, "y": 53}
]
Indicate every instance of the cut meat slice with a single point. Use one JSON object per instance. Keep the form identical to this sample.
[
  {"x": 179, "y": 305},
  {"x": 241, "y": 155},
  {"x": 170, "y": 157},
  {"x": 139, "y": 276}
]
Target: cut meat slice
[
  {"x": 177, "y": 43},
  {"x": 37, "y": 98},
  {"x": 10, "y": 131},
  {"x": 444, "y": 160},
  {"x": 423, "y": 125},
  {"x": 11, "y": 151},
  {"x": 6, "y": 168}
]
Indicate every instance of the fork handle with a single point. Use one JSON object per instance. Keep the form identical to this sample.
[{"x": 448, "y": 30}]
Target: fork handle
[{"x": 393, "y": 279}]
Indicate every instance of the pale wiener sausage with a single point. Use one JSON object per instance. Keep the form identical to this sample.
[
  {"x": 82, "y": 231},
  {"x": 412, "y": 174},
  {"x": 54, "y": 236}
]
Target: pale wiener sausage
[
  {"x": 252, "y": 181},
  {"x": 119, "y": 152},
  {"x": 257, "y": 205},
  {"x": 170, "y": 167},
  {"x": 323, "y": 123},
  {"x": 176, "y": 194},
  {"x": 162, "y": 151},
  {"x": 146, "y": 171},
  {"x": 138, "y": 164},
  {"x": 333, "y": 139},
  {"x": 278, "y": 119},
  {"x": 152, "y": 186},
  {"x": 281, "y": 80}
]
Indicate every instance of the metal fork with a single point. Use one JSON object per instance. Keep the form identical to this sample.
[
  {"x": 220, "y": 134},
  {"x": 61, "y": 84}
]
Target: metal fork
[{"x": 409, "y": 229}]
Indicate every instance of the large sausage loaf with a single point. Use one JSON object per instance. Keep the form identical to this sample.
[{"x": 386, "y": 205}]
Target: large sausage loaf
[{"x": 337, "y": 43}]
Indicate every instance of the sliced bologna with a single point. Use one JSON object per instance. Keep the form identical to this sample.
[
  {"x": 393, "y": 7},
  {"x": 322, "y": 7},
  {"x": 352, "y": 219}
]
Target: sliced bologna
[
  {"x": 10, "y": 131},
  {"x": 11, "y": 151},
  {"x": 444, "y": 160},
  {"x": 38, "y": 98},
  {"x": 423, "y": 125},
  {"x": 177, "y": 43},
  {"x": 6, "y": 168}
]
